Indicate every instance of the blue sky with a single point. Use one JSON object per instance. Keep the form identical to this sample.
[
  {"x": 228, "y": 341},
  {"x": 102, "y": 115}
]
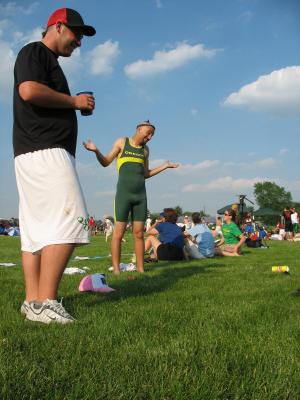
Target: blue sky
[{"x": 219, "y": 79}]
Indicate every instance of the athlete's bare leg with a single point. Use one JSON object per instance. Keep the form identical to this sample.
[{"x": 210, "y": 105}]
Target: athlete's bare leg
[
  {"x": 139, "y": 244},
  {"x": 118, "y": 233}
]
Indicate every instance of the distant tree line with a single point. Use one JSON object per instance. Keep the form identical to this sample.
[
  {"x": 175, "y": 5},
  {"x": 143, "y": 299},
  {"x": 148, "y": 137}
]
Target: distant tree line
[{"x": 180, "y": 212}]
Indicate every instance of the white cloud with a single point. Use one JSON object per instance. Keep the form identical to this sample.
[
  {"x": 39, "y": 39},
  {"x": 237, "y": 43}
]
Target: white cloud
[
  {"x": 23, "y": 39},
  {"x": 265, "y": 163},
  {"x": 11, "y": 8},
  {"x": 212, "y": 26},
  {"x": 156, "y": 162},
  {"x": 100, "y": 61},
  {"x": 186, "y": 169},
  {"x": 144, "y": 94},
  {"x": 85, "y": 169},
  {"x": 163, "y": 61},
  {"x": 72, "y": 66},
  {"x": 283, "y": 152},
  {"x": 104, "y": 193},
  {"x": 232, "y": 164},
  {"x": 158, "y": 3},
  {"x": 4, "y": 24},
  {"x": 95, "y": 169},
  {"x": 295, "y": 187},
  {"x": 209, "y": 165},
  {"x": 7, "y": 58},
  {"x": 34, "y": 36},
  {"x": 226, "y": 183},
  {"x": 279, "y": 91},
  {"x": 245, "y": 17},
  {"x": 194, "y": 111},
  {"x": 102, "y": 58}
]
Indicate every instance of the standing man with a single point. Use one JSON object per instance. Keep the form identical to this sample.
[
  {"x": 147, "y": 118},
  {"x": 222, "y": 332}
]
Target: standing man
[
  {"x": 132, "y": 155},
  {"x": 44, "y": 139},
  {"x": 109, "y": 228},
  {"x": 295, "y": 221}
]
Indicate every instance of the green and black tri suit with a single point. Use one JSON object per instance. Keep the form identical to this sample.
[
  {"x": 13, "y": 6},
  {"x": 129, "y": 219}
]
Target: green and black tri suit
[{"x": 131, "y": 190}]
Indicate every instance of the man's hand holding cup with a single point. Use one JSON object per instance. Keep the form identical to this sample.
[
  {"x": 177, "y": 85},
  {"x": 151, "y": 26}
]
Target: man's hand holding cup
[{"x": 85, "y": 102}]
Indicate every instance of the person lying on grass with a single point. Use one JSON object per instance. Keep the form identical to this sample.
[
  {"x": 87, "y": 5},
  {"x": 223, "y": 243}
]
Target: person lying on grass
[
  {"x": 233, "y": 238},
  {"x": 169, "y": 245}
]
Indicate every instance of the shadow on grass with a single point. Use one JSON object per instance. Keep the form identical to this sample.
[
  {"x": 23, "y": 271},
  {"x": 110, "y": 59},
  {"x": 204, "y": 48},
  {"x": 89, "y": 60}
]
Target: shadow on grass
[{"x": 146, "y": 284}]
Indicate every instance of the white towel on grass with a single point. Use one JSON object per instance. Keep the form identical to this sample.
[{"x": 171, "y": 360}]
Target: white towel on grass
[
  {"x": 7, "y": 264},
  {"x": 74, "y": 270}
]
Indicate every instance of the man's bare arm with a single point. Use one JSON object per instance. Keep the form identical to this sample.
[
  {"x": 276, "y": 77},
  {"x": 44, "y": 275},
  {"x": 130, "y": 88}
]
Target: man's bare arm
[
  {"x": 43, "y": 96},
  {"x": 105, "y": 161},
  {"x": 152, "y": 172}
]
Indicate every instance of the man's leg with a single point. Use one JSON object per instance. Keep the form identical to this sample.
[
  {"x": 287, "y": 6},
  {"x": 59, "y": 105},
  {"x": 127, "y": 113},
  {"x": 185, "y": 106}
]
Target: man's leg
[
  {"x": 117, "y": 236},
  {"x": 31, "y": 269},
  {"x": 220, "y": 252},
  {"x": 139, "y": 244},
  {"x": 148, "y": 244},
  {"x": 153, "y": 242},
  {"x": 54, "y": 259}
]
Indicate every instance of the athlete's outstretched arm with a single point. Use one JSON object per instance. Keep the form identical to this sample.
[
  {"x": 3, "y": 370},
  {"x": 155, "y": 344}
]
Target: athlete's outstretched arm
[
  {"x": 105, "y": 161},
  {"x": 151, "y": 172}
]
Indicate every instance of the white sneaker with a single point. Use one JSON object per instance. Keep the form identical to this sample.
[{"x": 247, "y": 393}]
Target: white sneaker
[
  {"x": 24, "y": 307},
  {"x": 127, "y": 267},
  {"x": 50, "y": 311},
  {"x": 124, "y": 267}
]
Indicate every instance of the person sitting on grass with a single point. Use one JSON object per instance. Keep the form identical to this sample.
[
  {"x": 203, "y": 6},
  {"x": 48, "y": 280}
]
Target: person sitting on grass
[
  {"x": 199, "y": 242},
  {"x": 262, "y": 235},
  {"x": 217, "y": 232},
  {"x": 109, "y": 228},
  {"x": 187, "y": 222},
  {"x": 232, "y": 236},
  {"x": 169, "y": 245}
]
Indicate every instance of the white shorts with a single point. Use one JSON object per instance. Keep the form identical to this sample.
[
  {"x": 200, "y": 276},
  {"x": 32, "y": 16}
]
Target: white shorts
[
  {"x": 192, "y": 250},
  {"x": 52, "y": 209}
]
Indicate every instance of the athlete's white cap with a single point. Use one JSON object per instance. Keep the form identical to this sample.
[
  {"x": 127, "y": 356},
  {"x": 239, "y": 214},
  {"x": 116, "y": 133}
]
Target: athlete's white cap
[{"x": 145, "y": 123}]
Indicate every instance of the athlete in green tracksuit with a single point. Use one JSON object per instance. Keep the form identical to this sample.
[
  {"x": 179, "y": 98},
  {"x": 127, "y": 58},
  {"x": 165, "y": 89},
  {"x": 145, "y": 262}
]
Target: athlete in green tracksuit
[{"x": 132, "y": 156}]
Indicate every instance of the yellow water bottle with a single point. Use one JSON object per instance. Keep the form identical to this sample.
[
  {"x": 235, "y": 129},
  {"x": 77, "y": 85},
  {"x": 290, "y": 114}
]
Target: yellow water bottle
[{"x": 280, "y": 268}]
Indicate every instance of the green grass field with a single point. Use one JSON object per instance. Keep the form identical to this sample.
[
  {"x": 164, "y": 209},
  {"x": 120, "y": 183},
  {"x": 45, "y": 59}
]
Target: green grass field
[{"x": 209, "y": 329}]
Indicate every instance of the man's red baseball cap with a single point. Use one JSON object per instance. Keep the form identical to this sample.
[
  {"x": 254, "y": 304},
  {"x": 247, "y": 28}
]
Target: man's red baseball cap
[{"x": 70, "y": 18}]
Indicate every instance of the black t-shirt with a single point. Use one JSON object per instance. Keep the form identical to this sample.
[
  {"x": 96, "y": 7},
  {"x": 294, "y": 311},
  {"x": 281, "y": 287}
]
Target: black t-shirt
[{"x": 35, "y": 127}]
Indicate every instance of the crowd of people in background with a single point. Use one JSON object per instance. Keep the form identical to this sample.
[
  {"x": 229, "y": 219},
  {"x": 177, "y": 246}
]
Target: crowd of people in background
[
  {"x": 194, "y": 238},
  {"x": 201, "y": 239},
  {"x": 169, "y": 240},
  {"x": 227, "y": 235},
  {"x": 9, "y": 227}
]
